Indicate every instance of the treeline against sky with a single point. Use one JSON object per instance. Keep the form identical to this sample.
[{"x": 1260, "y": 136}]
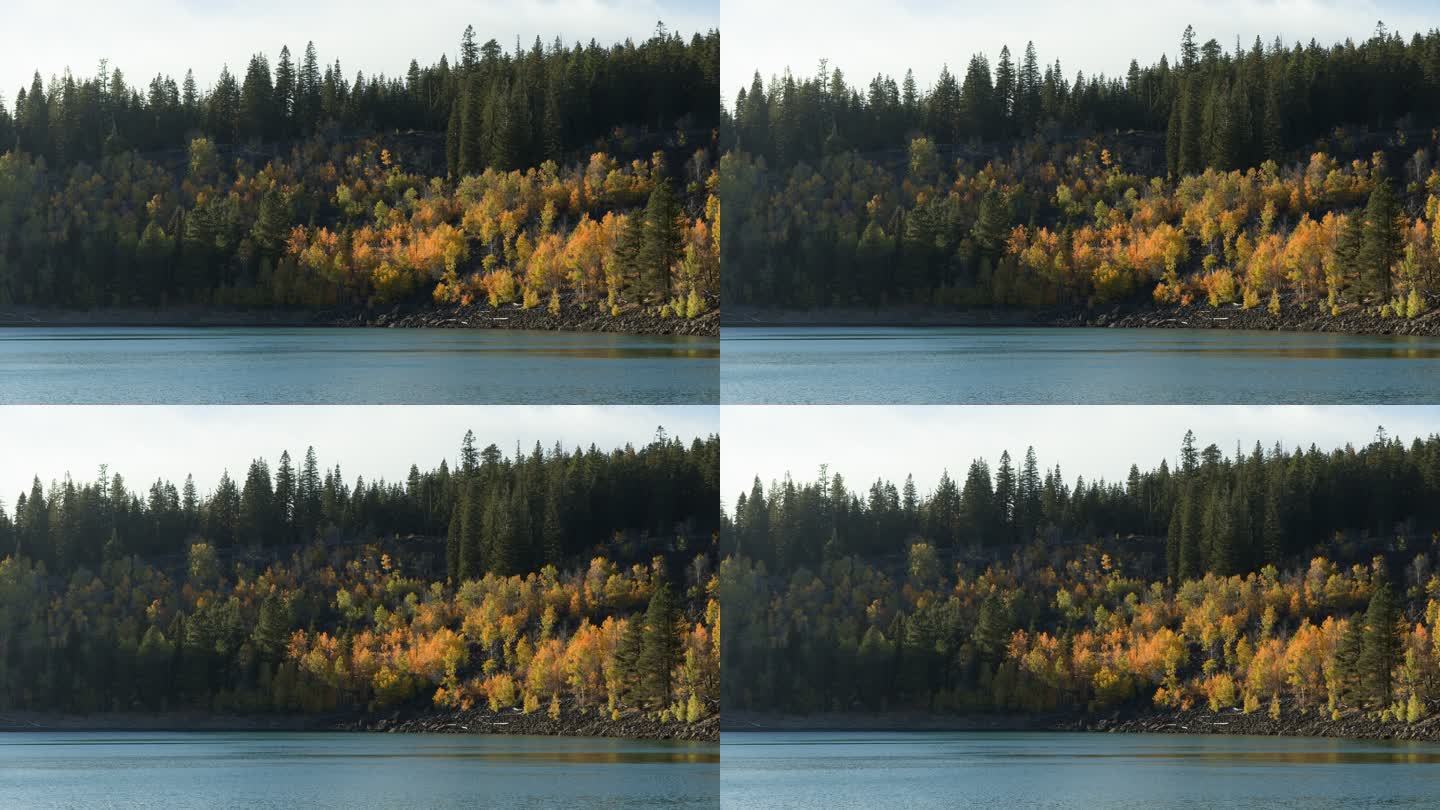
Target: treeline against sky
[
  {"x": 534, "y": 104},
  {"x": 1118, "y": 188},
  {"x": 553, "y": 581},
  {"x": 489, "y": 180},
  {"x": 498, "y": 513},
  {"x": 1281, "y": 582},
  {"x": 1219, "y": 513}
]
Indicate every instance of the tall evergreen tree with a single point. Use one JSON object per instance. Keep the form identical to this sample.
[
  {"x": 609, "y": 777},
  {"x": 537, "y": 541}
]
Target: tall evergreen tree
[
  {"x": 660, "y": 650},
  {"x": 1382, "y": 242},
  {"x": 1380, "y": 652}
]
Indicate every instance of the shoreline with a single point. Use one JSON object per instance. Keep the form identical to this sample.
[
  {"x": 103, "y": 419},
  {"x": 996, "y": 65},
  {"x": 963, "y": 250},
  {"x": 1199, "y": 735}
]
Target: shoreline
[
  {"x": 511, "y": 317},
  {"x": 510, "y": 722},
  {"x": 1352, "y": 320},
  {"x": 1351, "y": 725}
]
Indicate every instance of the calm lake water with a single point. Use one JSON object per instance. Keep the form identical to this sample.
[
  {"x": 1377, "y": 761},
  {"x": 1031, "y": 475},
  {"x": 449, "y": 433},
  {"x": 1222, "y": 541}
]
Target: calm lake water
[
  {"x": 286, "y": 770},
  {"x": 803, "y": 365},
  {"x": 144, "y": 365},
  {"x": 1032, "y": 769}
]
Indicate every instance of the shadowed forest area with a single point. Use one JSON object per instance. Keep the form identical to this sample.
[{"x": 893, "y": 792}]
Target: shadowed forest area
[
  {"x": 1290, "y": 582},
  {"x": 577, "y": 582},
  {"x": 576, "y": 176},
  {"x": 1290, "y": 177}
]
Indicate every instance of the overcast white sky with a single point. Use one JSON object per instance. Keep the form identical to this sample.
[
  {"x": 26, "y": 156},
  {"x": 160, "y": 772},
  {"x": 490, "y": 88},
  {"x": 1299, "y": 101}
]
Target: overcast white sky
[
  {"x": 863, "y": 443},
  {"x": 144, "y": 443},
  {"x": 146, "y": 37},
  {"x": 864, "y": 37}
]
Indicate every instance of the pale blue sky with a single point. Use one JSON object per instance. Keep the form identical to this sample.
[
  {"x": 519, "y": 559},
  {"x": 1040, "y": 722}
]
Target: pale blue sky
[
  {"x": 143, "y": 443},
  {"x": 863, "y": 37},
  {"x": 145, "y": 37},
  {"x": 868, "y": 442}
]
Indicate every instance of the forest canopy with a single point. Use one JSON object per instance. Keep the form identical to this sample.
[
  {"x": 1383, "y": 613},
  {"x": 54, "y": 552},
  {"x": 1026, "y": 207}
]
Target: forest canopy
[
  {"x": 1275, "y": 175},
  {"x": 555, "y": 175},
  {"x": 1285, "y": 581},
  {"x": 562, "y": 581}
]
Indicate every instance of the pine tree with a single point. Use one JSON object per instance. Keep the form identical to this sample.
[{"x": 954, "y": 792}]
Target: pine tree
[
  {"x": 1005, "y": 79},
  {"x": 1382, "y": 241},
  {"x": 1188, "y": 51},
  {"x": 627, "y": 656},
  {"x": 284, "y": 100},
  {"x": 35, "y": 134},
  {"x": 1192, "y": 562},
  {"x": 661, "y": 243},
  {"x": 1173, "y": 139},
  {"x": 1380, "y": 652},
  {"x": 469, "y": 456},
  {"x": 272, "y": 224},
  {"x": 471, "y": 150},
  {"x": 307, "y": 91},
  {"x": 307, "y": 497},
  {"x": 1273, "y": 123},
  {"x": 977, "y": 515},
  {"x": 498, "y": 534},
  {"x": 992, "y": 224},
  {"x": 1191, "y": 160},
  {"x": 978, "y": 111},
  {"x": 256, "y": 504},
  {"x": 272, "y": 629},
  {"x": 1027, "y": 92},
  {"x": 1027, "y": 496},
  {"x": 1348, "y": 246},
  {"x": 1348, "y": 651},
  {"x": 452, "y": 140},
  {"x": 1005, "y": 496},
  {"x": 469, "y": 53},
  {"x": 553, "y": 531},
  {"x": 1273, "y": 530},
  {"x": 1174, "y": 537},
  {"x": 257, "y": 100},
  {"x": 476, "y": 526},
  {"x": 660, "y": 650},
  {"x": 553, "y": 125},
  {"x": 7, "y": 128}
]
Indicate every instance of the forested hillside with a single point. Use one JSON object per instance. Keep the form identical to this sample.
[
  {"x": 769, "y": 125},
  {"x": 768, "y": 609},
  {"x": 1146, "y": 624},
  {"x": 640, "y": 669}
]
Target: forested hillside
[
  {"x": 559, "y": 175},
  {"x": 1298, "y": 581},
  {"x": 1294, "y": 176},
  {"x": 561, "y": 581}
]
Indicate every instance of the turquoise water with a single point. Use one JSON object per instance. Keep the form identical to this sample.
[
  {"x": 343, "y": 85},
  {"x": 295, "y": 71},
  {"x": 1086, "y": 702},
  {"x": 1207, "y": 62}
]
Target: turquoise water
[
  {"x": 145, "y": 365},
  {"x": 813, "y": 365},
  {"x": 1052, "y": 770},
  {"x": 288, "y": 770}
]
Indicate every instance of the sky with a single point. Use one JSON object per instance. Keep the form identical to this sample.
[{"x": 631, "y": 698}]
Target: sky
[
  {"x": 864, "y": 38},
  {"x": 146, "y": 37},
  {"x": 863, "y": 443},
  {"x": 144, "y": 443}
]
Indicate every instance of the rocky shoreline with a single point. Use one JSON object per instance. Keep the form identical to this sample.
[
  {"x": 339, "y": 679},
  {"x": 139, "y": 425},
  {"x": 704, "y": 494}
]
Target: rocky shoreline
[
  {"x": 571, "y": 723},
  {"x": 1351, "y": 320},
  {"x": 1292, "y": 722},
  {"x": 570, "y": 319}
]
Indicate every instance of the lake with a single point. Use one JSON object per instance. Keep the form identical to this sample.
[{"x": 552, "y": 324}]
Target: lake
[
  {"x": 993, "y": 365},
  {"x": 285, "y": 770},
  {"x": 278, "y": 365},
  {"x": 1056, "y": 770}
]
